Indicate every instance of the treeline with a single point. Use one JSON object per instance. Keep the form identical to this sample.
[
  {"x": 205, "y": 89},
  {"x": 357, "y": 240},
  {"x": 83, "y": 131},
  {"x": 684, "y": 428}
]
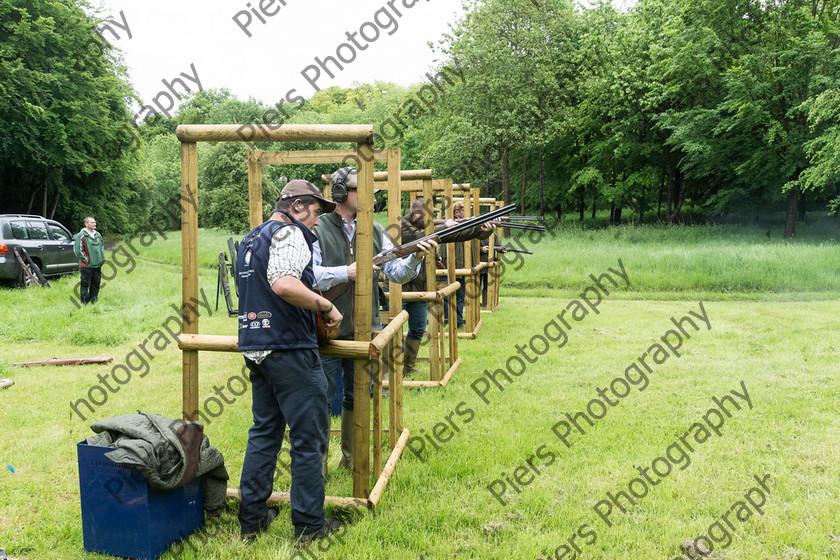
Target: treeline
[{"x": 676, "y": 110}]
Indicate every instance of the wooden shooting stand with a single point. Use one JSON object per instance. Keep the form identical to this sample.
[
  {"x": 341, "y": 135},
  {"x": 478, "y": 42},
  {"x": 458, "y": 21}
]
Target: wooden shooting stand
[
  {"x": 493, "y": 263},
  {"x": 471, "y": 273},
  {"x": 443, "y": 357},
  {"x": 363, "y": 350}
]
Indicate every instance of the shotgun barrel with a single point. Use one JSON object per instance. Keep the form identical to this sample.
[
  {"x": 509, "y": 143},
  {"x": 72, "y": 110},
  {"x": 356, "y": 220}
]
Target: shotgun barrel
[
  {"x": 517, "y": 225},
  {"x": 512, "y": 250},
  {"x": 523, "y": 218},
  {"x": 443, "y": 235}
]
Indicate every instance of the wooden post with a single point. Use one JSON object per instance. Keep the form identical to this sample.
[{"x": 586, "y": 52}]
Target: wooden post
[
  {"x": 255, "y": 206},
  {"x": 394, "y": 217},
  {"x": 476, "y": 311},
  {"x": 362, "y": 321},
  {"x": 450, "y": 275},
  {"x": 469, "y": 252},
  {"x": 189, "y": 279},
  {"x": 378, "y": 367},
  {"x": 431, "y": 285}
]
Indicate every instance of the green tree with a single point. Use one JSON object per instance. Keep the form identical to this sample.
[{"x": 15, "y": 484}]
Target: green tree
[{"x": 67, "y": 139}]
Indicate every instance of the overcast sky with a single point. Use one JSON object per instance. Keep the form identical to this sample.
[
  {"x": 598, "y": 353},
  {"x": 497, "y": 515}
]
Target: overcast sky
[
  {"x": 167, "y": 37},
  {"x": 208, "y": 41}
]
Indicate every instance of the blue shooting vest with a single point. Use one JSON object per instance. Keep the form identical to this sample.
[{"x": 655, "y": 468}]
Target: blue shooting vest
[{"x": 267, "y": 321}]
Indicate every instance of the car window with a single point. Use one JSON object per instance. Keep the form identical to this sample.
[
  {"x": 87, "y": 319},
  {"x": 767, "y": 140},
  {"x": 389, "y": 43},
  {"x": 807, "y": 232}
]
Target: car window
[
  {"x": 19, "y": 230},
  {"x": 37, "y": 230},
  {"x": 57, "y": 233}
]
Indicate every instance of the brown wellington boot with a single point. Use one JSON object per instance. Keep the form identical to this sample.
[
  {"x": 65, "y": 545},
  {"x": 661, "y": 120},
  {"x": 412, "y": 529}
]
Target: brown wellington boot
[
  {"x": 346, "y": 439},
  {"x": 412, "y": 346}
]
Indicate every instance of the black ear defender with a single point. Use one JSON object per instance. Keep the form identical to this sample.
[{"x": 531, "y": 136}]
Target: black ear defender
[{"x": 339, "y": 188}]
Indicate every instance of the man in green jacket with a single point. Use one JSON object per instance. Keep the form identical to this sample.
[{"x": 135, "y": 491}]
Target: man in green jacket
[{"x": 89, "y": 250}]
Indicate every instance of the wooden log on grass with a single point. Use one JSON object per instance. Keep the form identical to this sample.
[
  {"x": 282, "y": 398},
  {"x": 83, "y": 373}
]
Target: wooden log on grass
[
  {"x": 283, "y": 498},
  {"x": 382, "y": 482},
  {"x": 67, "y": 361}
]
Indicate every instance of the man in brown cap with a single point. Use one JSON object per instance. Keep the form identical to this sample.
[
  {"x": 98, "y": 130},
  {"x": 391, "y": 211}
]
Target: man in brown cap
[{"x": 277, "y": 336}]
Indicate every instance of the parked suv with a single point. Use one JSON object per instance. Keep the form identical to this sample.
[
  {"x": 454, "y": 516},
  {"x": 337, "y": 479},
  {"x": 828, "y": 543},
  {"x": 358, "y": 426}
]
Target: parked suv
[{"x": 48, "y": 242}]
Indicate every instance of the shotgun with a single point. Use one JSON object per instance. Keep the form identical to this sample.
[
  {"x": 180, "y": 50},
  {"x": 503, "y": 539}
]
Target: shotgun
[
  {"x": 443, "y": 235},
  {"x": 517, "y": 225},
  {"x": 523, "y": 218},
  {"x": 511, "y": 250}
]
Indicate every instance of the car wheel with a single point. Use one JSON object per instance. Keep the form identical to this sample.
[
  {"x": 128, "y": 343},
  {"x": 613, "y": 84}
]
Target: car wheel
[
  {"x": 20, "y": 280},
  {"x": 36, "y": 270}
]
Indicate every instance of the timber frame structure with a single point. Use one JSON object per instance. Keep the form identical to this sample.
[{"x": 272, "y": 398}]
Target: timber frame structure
[
  {"x": 363, "y": 350},
  {"x": 443, "y": 357},
  {"x": 495, "y": 274}
]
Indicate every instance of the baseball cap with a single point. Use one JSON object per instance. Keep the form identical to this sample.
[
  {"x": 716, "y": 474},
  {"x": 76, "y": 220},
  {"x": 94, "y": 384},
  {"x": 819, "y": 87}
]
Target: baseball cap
[{"x": 300, "y": 187}]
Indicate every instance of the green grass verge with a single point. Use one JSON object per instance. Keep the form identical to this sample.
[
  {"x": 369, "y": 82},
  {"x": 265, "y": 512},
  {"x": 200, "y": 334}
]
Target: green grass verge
[{"x": 778, "y": 339}]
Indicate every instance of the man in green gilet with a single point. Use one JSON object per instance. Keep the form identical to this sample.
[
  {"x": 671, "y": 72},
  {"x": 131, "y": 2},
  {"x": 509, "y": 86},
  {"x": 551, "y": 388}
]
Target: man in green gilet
[
  {"x": 90, "y": 252},
  {"x": 335, "y": 269}
]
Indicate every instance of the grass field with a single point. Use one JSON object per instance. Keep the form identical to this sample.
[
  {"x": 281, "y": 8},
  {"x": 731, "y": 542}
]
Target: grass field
[{"x": 774, "y": 312}]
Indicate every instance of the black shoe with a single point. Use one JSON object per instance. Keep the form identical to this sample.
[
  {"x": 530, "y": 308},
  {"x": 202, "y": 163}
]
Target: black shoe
[
  {"x": 330, "y": 526},
  {"x": 250, "y": 536}
]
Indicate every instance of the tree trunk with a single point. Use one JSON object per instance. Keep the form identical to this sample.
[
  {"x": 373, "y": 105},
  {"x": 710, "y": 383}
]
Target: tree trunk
[
  {"x": 659, "y": 207},
  {"x": 677, "y": 195},
  {"x": 612, "y": 213},
  {"x": 792, "y": 208},
  {"x": 594, "y": 205},
  {"x": 582, "y": 205},
  {"x": 31, "y": 201},
  {"x": 506, "y": 174},
  {"x": 802, "y": 207},
  {"x": 617, "y": 215},
  {"x": 55, "y": 203},
  {"x": 522, "y": 193},
  {"x": 671, "y": 179},
  {"x": 542, "y": 186},
  {"x": 44, "y": 200}
]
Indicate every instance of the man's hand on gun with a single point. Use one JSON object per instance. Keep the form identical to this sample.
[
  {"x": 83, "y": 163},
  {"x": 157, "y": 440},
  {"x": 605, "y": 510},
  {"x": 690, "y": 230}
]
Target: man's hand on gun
[
  {"x": 424, "y": 247},
  {"x": 351, "y": 271}
]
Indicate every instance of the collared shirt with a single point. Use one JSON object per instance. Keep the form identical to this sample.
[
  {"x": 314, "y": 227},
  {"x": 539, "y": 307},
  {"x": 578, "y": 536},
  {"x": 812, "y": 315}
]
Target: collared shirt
[
  {"x": 398, "y": 270},
  {"x": 287, "y": 256}
]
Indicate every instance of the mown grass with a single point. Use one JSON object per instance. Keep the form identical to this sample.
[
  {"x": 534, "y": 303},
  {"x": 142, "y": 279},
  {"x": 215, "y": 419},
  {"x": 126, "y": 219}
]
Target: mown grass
[{"x": 775, "y": 332}]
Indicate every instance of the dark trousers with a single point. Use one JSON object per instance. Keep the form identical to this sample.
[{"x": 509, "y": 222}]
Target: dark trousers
[
  {"x": 345, "y": 367},
  {"x": 287, "y": 388},
  {"x": 91, "y": 278},
  {"x": 417, "y": 315},
  {"x": 460, "y": 296}
]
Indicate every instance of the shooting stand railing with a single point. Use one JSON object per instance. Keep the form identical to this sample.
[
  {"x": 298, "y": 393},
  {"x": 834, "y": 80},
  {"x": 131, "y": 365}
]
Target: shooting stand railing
[
  {"x": 362, "y": 349},
  {"x": 494, "y": 265}
]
